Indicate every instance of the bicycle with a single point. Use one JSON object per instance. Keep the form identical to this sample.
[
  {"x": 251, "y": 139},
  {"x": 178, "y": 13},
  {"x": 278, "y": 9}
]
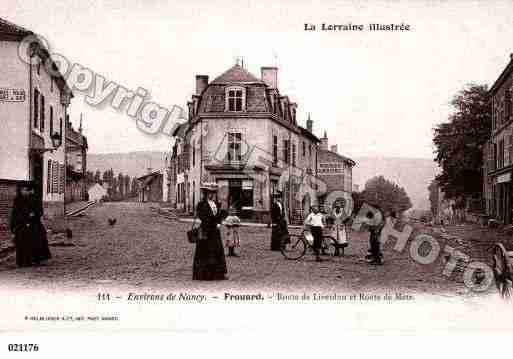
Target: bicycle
[{"x": 296, "y": 245}]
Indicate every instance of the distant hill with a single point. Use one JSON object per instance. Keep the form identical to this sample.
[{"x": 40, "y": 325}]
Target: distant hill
[
  {"x": 134, "y": 164},
  {"x": 414, "y": 174}
]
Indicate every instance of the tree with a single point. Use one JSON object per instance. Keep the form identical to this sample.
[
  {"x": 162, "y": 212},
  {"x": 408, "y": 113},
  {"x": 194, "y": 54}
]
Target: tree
[
  {"x": 459, "y": 142},
  {"x": 386, "y": 195},
  {"x": 97, "y": 176},
  {"x": 127, "y": 186},
  {"x": 89, "y": 177},
  {"x": 121, "y": 185},
  {"x": 433, "y": 197},
  {"x": 135, "y": 187}
]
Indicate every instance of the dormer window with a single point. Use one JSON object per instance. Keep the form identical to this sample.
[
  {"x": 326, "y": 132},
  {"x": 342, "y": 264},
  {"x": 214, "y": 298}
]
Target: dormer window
[{"x": 235, "y": 99}]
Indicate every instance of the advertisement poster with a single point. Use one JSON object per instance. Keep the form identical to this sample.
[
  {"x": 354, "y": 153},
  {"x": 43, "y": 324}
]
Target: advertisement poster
[{"x": 256, "y": 178}]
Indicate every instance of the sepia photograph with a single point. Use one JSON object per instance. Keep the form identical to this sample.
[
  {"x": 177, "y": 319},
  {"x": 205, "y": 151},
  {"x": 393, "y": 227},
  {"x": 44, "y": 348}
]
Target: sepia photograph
[{"x": 227, "y": 168}]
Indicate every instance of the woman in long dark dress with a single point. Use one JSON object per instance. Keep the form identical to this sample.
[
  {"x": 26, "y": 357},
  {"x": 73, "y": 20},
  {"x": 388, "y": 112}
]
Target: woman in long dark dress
[
  {"x": 209, "y": 259},
  {"x": 41, "y": 249},
  {"x": 25, "y": 217}
]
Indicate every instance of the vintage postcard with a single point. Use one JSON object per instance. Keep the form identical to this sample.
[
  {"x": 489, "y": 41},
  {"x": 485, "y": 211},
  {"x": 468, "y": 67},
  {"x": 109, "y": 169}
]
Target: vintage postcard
[{"x": 226, "y": 168}]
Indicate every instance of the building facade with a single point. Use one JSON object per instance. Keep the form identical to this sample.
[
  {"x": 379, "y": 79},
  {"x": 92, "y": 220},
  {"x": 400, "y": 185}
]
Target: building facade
[
  {"x": 76, "y": 163},
  {"x": 242, "y": 134},
  {"x": 336, "y": 171},
  {"x": 498, "y": 166},
  {"x": 153, "y": 186},
  {"x": 33, "y": 103}
]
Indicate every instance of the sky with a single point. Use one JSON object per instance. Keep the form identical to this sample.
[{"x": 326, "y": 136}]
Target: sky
[{"x": 375, "y": 93}]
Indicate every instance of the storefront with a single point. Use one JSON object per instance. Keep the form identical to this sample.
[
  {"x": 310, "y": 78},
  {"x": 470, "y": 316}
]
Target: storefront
[{"x": 503, "y": 201}]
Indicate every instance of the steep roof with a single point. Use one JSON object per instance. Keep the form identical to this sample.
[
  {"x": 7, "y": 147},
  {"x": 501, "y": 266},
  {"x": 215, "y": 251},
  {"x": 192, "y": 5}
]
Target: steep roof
[
  {"x": 8, "y": 28},
  {"x": 327, "y": 155},
  {"x": 236, "y": 74},
  {"x": 502, "y": 77}
]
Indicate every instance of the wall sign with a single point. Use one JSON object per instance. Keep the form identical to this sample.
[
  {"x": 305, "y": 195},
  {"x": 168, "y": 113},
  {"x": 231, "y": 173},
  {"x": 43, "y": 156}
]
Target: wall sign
[
  {"x": 331, "y": 168},
  {"x": 12, "y": 95}
]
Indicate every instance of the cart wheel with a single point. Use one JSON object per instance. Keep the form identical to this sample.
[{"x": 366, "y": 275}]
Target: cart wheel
[{"x": 501, "y": 271}]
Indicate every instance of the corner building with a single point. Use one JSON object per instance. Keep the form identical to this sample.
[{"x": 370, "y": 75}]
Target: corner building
[{"x": 242, "y": 134}]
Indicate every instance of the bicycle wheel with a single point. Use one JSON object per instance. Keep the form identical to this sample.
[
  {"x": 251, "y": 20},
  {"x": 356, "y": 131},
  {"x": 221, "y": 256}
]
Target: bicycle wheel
[
  {"x": 329, "y": 246},
  {"x": 294, "y": 248}
]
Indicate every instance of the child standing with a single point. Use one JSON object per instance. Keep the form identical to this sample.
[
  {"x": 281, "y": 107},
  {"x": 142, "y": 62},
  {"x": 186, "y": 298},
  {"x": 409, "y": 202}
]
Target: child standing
[
  {"x": 232, "y": 223},
  {"x": 316, "y": 222}
]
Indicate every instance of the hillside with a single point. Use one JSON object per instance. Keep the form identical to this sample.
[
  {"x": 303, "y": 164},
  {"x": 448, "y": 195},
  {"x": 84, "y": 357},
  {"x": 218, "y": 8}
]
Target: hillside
[
  {"x": 414, "y": 174},
  {"x": 134, "y": 164}
]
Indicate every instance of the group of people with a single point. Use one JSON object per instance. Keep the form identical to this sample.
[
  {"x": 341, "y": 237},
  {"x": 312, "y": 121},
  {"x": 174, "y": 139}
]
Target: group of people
[
  {"x": 315, "y": 223},
  {"x": 30, "y": 235},
  {"x": 209, "y": 257}
]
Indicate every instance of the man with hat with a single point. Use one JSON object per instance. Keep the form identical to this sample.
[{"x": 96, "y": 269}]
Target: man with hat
[
  {"x": 209, "y": 260},
  {"x": 280, "y": 231}
]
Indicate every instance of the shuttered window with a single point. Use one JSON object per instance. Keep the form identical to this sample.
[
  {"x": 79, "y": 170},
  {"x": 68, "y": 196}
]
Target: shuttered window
[
  {"x": 61, "y": 179},
  {"x": 55, "y": 177},
  {"x": 36, "y": 108},
  {"x": 49, "y": 177}
]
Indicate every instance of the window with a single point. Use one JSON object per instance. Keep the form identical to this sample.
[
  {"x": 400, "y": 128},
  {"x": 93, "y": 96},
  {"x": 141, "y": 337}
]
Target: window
[
  {"x": 234, "y": 146},
  {"x": 501, "y": 154},
  {"x": 36, "y": 108},
  {"x": 310, "y": 150},
  {"x": 42, "y": 113},
  {"x": 38, "y": 67},
  {"x": 286, "y": 151},
  {"x": 507, "y": 100},
  {"x": 494, "y": 156},
  {"x": 51, "y": 120},
  {"x": 235, "y": 99},
  {"x": 193, "y": 155},
  {"x": 51, "y": 83},
  {"x": 510, "y": 149},
  {"x": 49, "y": 177},
  {"x": 60, "y": 127},
  {"x": 304, "y": 149},
  {"x": 55, "y": 177},
  {"x": 247, "y": 193},
  {"x": 293, "y": 154},
  {"x": 275, "y": 150}
]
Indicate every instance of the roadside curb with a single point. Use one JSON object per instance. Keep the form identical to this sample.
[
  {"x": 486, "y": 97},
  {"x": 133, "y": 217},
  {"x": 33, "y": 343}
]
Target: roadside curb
[
  {"x": 80, "y": 210},
  {"x": 242, "y": 224}
]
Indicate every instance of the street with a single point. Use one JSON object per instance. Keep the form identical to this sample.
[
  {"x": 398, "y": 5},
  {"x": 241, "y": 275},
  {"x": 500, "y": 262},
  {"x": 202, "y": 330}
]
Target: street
[{"x": 144, "y": 249}]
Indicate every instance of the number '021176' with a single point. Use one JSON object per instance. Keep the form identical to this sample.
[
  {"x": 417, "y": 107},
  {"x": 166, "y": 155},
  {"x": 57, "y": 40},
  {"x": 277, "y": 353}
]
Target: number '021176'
[{"x": 23, "y": 347}]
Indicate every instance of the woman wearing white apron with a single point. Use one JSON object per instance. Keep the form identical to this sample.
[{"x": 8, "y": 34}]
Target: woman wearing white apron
[{"x": 339, "y": 229}]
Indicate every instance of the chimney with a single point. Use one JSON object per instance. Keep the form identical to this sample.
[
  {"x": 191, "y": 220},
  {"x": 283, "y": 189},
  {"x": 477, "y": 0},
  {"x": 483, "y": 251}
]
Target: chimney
[
  {"x": 309, "y": 124},
  {"x": 201, "y": 84},
  {"x": 334, "y": 148},
  {"x": 270, "y": 76},
  {"x": 324, "y": 142}
]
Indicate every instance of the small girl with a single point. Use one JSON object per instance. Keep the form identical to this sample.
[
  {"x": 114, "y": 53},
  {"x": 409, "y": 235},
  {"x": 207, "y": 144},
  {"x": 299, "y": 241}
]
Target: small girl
[{"x": 232, "y": 223}]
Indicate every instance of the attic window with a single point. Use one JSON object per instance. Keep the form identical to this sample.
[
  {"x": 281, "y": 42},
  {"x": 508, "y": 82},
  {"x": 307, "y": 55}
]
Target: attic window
[{"x": 235, "y": 99}]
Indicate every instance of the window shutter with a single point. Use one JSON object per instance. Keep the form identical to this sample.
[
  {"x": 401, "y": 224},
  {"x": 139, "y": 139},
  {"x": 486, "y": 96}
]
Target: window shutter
[
  {"x": 55, "y": 176},
  {"x": 49, "y": 177},
  {"x": 61, "y": 179}
]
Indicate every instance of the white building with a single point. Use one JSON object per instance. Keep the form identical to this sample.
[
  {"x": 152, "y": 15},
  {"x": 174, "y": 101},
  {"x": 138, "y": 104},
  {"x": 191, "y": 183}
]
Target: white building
[
  {"x": 33, "y": 107},
  {"x": 96, "y": 192},
  {"x": 242, "y": 134}
]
